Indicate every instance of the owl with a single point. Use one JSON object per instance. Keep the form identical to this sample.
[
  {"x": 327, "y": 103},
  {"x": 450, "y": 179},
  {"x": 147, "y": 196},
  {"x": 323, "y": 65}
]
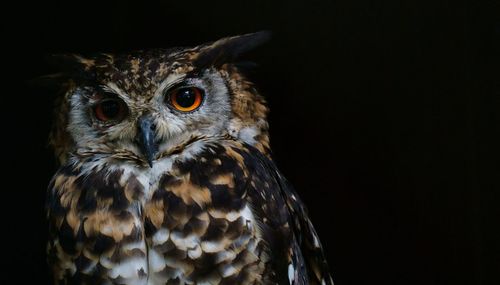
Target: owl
[{"x": 166, "y": 175}]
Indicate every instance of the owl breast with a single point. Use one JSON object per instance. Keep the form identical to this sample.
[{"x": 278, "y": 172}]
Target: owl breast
[{"x": 186, "y": 220}]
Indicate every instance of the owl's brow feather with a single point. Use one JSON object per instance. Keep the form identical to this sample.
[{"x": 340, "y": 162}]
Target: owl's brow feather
[
  {"x": 90, "y": 91},
  {"x": 183, "y": 78},
  {"x": 106, "y": 88},
  {"x": 175, "y": 82}
]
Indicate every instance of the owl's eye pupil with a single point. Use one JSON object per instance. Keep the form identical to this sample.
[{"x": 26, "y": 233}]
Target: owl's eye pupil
[
  {"x": 186, "y": 99},
  {"x": 110, "y": 110}
]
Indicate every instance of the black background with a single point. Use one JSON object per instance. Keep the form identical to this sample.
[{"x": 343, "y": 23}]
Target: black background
[{"x": 384, "y": 117}]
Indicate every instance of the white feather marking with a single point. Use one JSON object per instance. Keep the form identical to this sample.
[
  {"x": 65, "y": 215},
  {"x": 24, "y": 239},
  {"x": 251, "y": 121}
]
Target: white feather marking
[
  {"x": 232, "y": 216},
  {"x": 128, "y": 268},
  {"x": 160, "y": 167},
  {"x": 228, "y": 270},
  {"x": 156, "y": 261},
  {"x": 134, "y": 245},
  {"x": 211, "y": 246},
  {"x": 248, "y": 134},
  {"x": 129, "y": 170},
  {"x": 161, "y": 236},
  {"x": 241, "y": 241},
  {"x": 291, "y": 273},
  {"x": 226, "y": 255},
  {"x": 248, "y": 215},
  {"x": 316, "y": 242},
  {"x": 184, "y": 242},
  {"x": 106, "y": 262},
  {"x": 193, "y": 149},
  {"x": 195, "y": 252}
]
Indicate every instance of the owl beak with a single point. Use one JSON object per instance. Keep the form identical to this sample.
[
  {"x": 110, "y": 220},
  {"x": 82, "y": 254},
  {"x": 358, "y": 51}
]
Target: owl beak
[{"x": 146, "y": 138}]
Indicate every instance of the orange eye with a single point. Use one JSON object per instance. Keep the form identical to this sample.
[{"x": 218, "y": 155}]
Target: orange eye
[
  {"x": 186, "y": 99},
  {"x": 110, "y": 110}
]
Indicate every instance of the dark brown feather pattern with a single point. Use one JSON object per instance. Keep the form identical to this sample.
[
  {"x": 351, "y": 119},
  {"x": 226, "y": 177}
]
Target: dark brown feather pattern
[
  {"x": 210, "y": 209},
  {"x": 97, "y": 215}
]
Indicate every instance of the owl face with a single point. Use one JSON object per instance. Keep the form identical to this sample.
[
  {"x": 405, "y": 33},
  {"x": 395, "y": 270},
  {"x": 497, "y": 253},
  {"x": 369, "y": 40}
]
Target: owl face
[
  {"x": 143, "y": 106},
  {"x": 109, "y": 117}
]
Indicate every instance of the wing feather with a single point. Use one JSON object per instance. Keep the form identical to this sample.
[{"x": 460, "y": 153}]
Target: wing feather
[{"x": 286, "y": 217}]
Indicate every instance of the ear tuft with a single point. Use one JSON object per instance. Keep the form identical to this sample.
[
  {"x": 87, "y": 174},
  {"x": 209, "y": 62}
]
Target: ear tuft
[
  {"x": 64, "y": 66},
  {"x": 228, "y": 49},
  {"x": 67, "y": 66},
  {"x": 70, "y": 62}
]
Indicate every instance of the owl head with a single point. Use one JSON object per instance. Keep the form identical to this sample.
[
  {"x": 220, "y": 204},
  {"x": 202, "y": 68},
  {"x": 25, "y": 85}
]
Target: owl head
[{"x": 144, "y": 105}]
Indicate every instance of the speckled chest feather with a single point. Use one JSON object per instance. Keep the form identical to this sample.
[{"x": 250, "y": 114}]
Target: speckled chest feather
[{"x": 190, "y": 223}]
